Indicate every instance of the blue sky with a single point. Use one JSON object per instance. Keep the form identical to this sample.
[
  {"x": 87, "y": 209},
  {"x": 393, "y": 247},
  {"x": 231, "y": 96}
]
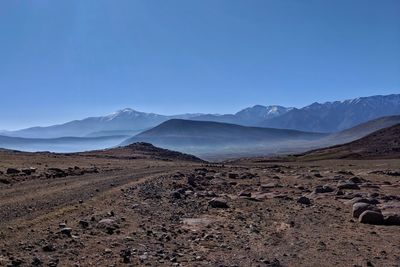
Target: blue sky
[{"x": 63, "y": 60}]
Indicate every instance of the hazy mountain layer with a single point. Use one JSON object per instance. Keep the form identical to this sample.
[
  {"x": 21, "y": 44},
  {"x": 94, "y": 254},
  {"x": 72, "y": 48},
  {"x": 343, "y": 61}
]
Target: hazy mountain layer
[{"x": 63, "y": 144}]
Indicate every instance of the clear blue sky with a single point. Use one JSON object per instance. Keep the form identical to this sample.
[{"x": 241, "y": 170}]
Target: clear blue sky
[{"x": 62, "y": 60}]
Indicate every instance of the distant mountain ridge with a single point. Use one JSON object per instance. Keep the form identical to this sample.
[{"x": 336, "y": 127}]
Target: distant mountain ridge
[
  {"x": 338, "y": 115},
  {"x": 125, "y": 120},
  {"x": 326, "y": 117},
  {"x": 251, "y": 116},
  {"x": 131, "y": 121}
]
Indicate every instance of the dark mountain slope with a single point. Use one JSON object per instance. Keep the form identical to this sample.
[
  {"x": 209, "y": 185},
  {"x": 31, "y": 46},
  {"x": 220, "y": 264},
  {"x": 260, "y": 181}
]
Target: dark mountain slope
[
  {"x": 384, "y": 143},
  {"x": 362, "y": 130}
]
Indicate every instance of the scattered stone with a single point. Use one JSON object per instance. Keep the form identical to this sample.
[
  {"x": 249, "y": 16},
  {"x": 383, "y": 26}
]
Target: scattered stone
[
  {"x": 347, "y": 185},
  {"x": 48, "y": 248},
  {"x": 304, "y": 200},
  {"x": 66, "y": 231},
  {"x": 84, "y": 224},
  {"x": 36, "y": 262},
  {"x": 244, "y": 194},
  {"x": 143, "y": 257},
  {"x": 219, "y": 203},
  {"x": 356, "y": 180},
  {"x": 191, "y": 180},
  {"x": 29, "y": 171},
  {"x": 176, "y": 194},
  {"x": 4, "y": 181},
  {"x": 109, "y": 225},
  {"x": 12, "y": 171},
  {"x": 233, "y": 175},
  {"x": 323, "y": 189},
  {"x": 126, "y": 255}
]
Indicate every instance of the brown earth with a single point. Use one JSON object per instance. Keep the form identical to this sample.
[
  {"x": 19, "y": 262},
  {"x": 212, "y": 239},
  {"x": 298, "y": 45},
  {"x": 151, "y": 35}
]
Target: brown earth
[{"x": 144, "y": 206}]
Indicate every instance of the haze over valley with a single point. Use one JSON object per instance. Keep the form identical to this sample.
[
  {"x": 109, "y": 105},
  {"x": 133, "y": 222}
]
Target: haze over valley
[{"x": 257, "y": 130}]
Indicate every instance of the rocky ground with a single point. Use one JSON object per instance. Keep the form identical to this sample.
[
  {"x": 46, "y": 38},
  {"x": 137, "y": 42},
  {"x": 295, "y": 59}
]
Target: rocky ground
[{"x": 128, "y": 208}]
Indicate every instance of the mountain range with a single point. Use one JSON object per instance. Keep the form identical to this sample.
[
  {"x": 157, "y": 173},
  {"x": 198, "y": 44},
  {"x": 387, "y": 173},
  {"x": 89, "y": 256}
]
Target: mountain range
[
  {"x": 325, "y": 117},
  {"x": 123, "y": 122},
  {"x": 338, "y": 115}
]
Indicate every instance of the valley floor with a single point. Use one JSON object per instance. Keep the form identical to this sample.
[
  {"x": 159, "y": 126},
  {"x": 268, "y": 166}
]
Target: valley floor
[{"x": 115, "y": 210}]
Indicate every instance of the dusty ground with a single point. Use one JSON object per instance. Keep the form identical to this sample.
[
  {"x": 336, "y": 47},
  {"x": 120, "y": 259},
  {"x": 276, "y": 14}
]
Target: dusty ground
[{"x": 128, "y": 208}]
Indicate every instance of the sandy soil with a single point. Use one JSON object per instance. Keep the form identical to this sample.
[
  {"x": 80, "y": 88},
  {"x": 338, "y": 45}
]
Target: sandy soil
[{"x": 128, "y": 208}]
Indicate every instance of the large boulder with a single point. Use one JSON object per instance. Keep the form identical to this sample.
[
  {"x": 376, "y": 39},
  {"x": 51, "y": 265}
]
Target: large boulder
[
  {"x": 360, "y": 207},
  {"x": 371, "y": 217},
  {"x": 392, "y": 219}
]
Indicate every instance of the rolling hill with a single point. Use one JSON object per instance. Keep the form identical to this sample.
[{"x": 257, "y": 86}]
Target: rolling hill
[{"x": 205, "y": 137}]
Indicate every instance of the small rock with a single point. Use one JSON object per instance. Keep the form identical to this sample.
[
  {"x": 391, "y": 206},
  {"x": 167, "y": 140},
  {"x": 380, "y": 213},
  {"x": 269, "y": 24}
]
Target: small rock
[
  {"x": 109, "y": 225},
  {"x": 36, "y": 262},
  {"x": 29, "y": 171},
  {"x": 66, "y": 231},
  {"x": 356, "y": 180},
  {"x": 233, "y": 175},
  {"x": 143, "y": 257},
  {"x": 304, "y": 200},
  {"x": 176, "y": 194},
  {"x": 48, "y": 248},
  {"x": 218, "y": 203},
  {"x": 12, "y": 171},
  {"x": 126, "y": 255},
  {"x": 323, "y": 189},
  {"x": 347, "y": 185},
  {"x": 84, "y": 224},
  {"x": 244, "y": 194}
]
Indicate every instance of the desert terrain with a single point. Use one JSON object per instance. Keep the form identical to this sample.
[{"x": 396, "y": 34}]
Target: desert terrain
[{"x": 144, "y": 206}]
